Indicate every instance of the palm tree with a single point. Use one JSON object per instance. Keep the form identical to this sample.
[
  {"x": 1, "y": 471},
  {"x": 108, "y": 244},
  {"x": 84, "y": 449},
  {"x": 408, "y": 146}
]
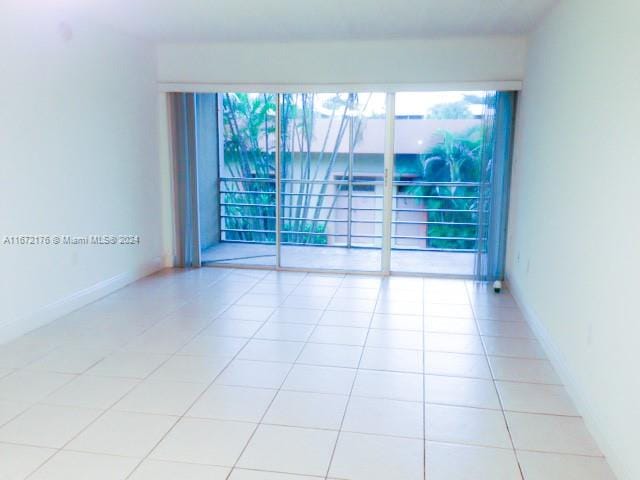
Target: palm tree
[
  {"x": 450, "y": 169},
  {"x": 250, "y": 204},
  {"x": 249, "y": 146}
]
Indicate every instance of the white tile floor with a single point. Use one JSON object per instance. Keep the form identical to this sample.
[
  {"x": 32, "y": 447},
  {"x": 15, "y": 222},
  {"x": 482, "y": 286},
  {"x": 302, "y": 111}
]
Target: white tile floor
[{"x": 258, "y": 375}]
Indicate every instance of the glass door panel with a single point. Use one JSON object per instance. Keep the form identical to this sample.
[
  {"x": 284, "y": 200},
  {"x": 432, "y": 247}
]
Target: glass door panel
[
  {"x": 437, "y": 156},
  {"x": 332, "y": 156},
  {"x": 247, "y": 180},
  {"x": 366, "y": 192}
]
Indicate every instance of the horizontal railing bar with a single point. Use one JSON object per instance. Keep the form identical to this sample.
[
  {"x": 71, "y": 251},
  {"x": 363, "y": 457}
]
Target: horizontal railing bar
[
  {"x": 246, "y": 230},
  {"x": 330, "y": 182},
  {"x": 369, "y": 246},
  {"x": 361, "y": 209},
  {"x": 365, "y": 209},
  {"x": 418, "y": 210},
  {"x": 402, "y": 182},
  {"x": 438, "y": 197},
  {"x": 344, "y": 194},
  {"x": 285, "y": 232},
  {"x": 246, "y": 179},
  {"x": 310, "y": 194},
  {"x": 364, "y": 184},
  {"x": 428, "y": 249},
  {"x": 332, "y": 220},
  {"x": 343, "y": 245},
  {"x": 293, "y": 232},
  {"x": 314, "y": 182},
  {"x": 409, "y": 237},
  {"x": 435, "y": 184},
  {"x": 248, "y": 241},
  {"x": 452, "y": 224},
  {"x": 235, "y": 204},
  {"x": 353, "y": 182},
  {"x": 365, "y": 221},
  {"x": 301, "y": 218},
  {"x": 301, "y": 244},
  {"x": 248, "y": 192},
  {"x": 247, "y": 216}
]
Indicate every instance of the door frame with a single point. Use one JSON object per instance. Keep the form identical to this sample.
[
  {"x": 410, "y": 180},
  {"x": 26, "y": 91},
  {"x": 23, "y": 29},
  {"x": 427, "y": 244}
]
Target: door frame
[
  {"x": 389, "y": 164},
  {"x": 389, "y": 156},
  {"x": 387, "y": 201}
]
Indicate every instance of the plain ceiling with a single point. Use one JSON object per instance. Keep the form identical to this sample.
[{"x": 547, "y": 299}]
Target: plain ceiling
[{"x": 312, "y": 20}]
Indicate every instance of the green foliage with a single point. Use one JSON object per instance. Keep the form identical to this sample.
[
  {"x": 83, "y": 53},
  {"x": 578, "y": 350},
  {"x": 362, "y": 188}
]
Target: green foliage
[
  {"x": 249, "y": 153},
  {"x": 246, "y": 121},
  {"x": 454, "y": 161},
  {"x": 306, "y": 232},
  {"x": 249, "y": 146},
  {"x": 256, "y": 223}
]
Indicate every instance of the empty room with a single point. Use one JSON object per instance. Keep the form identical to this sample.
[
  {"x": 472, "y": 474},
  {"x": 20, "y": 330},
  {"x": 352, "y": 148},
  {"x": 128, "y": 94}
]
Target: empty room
[{"x": 339, "y": 240}]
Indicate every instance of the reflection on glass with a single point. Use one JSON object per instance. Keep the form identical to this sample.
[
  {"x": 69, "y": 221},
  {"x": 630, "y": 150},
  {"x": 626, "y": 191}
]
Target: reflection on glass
[
  {"x": 247, "y": 180},
  {"x": 438, "y": 146},
  {"x": 331, "y": 179}
]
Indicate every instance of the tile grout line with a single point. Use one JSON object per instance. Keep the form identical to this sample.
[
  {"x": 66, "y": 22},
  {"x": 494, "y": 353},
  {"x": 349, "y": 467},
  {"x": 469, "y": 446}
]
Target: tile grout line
[
  {"x": 353, "y": 383},
  {"x": 495, "y": 386},
  {"x": 237, "y": 297},
  {"x": 108, "y": 409},
  {"x": 381, "y": 435},
  {"x": 181, "y": 417},
  {"x": 31, "y": 335},
  {"x": 56, "y": 451},
  {"x": 279, "y": 389},
  {"x": 424, "y": 385},
  {"x": 75, "y": 376}
]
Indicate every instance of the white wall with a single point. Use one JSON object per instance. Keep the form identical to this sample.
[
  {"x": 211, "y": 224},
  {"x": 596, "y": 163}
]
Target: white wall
[
  {"x": 453, "y": 60},
  {"x": 78, "y": 155},
  {"x": 574, "y": 252}
]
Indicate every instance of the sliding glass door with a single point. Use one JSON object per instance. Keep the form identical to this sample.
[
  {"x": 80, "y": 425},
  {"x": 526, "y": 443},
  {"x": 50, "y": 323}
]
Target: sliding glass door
[
  {"x": 436, "y": 183},
  {"x": 247, "y": 184},
  {"x": 331, "y": 180},
  {"x": 362, "y": 181}
]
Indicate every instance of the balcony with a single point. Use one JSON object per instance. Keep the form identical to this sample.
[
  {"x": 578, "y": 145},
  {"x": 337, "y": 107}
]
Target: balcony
[{"x": 338, "y": 224}]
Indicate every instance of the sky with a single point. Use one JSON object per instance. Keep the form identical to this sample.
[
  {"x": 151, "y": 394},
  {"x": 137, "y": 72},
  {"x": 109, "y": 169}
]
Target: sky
[{"x": 407, "y": 103}]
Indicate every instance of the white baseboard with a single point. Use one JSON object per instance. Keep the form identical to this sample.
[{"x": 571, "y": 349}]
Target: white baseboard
[
  {"x": 46, "y": 314},
  {"x": 585, "y": 406}
]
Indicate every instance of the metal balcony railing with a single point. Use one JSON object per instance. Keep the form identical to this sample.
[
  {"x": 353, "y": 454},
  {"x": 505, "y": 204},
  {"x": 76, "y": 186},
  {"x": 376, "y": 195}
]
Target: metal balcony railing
[{"x": 440, "y": 216}]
